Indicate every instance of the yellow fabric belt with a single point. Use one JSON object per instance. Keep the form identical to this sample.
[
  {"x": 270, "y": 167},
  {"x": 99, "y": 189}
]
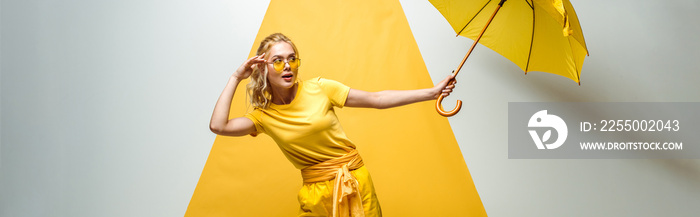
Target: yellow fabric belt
[{"x": 347, "y": 200}]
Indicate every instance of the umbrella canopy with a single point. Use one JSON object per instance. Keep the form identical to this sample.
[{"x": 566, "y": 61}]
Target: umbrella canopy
[{"x": 536, "y": 35}]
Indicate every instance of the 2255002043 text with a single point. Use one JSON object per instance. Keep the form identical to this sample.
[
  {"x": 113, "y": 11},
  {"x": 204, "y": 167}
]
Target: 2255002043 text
[{"x": 632, "y": 126}]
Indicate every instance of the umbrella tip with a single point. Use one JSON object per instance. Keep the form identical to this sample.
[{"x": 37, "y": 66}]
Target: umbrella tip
[{"x": 579, "y": 83}]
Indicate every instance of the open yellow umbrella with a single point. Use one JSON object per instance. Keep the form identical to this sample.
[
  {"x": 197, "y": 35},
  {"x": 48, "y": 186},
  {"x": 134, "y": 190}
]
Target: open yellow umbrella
[{"x": 536, "y": 35}]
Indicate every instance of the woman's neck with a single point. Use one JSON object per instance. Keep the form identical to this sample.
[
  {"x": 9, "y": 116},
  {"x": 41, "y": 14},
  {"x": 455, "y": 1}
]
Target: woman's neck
[{"x": 282, "y": 96}]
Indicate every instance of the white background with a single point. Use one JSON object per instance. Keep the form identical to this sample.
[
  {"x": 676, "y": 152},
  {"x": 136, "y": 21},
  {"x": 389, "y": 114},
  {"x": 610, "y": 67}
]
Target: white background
[{"x": 105, "y": 105}]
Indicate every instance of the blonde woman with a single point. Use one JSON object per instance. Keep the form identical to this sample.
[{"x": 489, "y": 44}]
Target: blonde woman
[{"x": 300, "y": 117}]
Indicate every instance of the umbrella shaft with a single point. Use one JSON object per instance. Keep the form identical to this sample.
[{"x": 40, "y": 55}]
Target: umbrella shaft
[{"x": 479, "y": 37}]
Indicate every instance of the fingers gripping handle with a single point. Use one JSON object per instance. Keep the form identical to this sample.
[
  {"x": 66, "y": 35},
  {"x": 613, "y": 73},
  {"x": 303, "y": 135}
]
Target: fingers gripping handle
[{"x": 441, "y": 111}]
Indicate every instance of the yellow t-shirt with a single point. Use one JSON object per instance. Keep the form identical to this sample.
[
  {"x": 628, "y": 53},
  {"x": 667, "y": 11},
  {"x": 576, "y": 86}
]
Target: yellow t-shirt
[{"x": 307, "y": 130}]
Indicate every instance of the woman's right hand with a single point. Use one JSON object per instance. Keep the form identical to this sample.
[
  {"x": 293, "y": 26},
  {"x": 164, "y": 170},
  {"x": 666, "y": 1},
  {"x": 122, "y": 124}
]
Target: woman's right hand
[{"x": 246, "y": 69}]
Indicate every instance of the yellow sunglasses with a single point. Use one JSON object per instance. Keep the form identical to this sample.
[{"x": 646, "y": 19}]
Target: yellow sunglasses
[{"x": 279, "y": 64}]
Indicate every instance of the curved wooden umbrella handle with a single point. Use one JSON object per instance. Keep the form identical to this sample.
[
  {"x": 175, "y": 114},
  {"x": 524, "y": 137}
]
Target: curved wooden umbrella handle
[{"x": 441, "y": 111}]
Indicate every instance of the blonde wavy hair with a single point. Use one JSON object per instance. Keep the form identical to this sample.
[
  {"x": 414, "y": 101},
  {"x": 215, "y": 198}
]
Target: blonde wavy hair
[{"x": 259, "y": 88}]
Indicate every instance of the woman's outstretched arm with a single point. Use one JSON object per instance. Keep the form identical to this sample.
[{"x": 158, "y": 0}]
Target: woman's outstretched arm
[
  {"x": 220, "y": 123},
  {"x": 394, "y": 98}
]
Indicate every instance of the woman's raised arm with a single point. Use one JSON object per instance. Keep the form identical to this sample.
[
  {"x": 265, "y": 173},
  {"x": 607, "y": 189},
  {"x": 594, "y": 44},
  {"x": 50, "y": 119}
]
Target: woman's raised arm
[{"x": 220, "y": 123}]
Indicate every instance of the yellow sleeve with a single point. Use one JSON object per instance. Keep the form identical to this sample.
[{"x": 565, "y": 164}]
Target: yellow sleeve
[
  {"x": 336, "y": 91},
  {"x": 256, "y": 117}
]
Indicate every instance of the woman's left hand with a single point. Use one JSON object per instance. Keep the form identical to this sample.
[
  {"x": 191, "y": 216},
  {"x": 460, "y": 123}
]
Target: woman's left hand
[{"x": 445, "y": 86}]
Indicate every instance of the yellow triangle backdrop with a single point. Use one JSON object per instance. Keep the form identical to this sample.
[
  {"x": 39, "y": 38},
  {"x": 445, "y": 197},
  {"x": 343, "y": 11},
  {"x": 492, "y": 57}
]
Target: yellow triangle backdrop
[{"x": 410, "y": 151}]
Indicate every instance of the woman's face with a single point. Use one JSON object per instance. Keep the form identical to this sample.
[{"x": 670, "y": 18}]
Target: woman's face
[{"x": 282, "y": 51}]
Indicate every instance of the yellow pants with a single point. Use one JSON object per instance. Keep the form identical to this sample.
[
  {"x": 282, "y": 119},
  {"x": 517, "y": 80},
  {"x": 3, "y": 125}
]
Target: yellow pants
[{"x": 316, "y": 198}]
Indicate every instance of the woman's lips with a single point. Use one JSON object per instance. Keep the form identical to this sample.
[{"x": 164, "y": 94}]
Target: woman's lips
[{"x": 287, "y": 77}]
